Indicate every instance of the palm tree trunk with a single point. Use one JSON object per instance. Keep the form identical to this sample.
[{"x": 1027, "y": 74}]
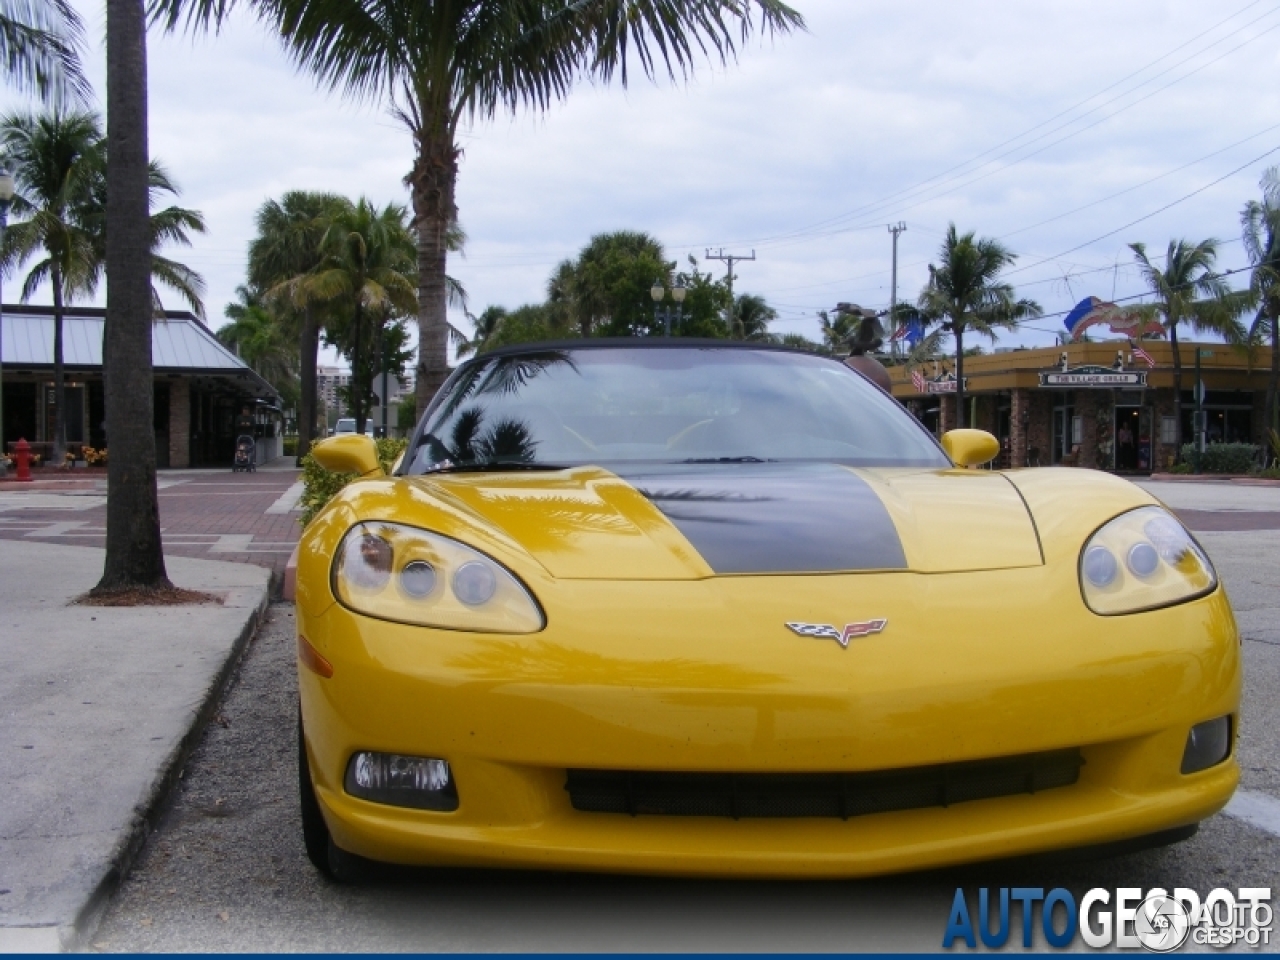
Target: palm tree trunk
[
  {"x": 59, "y": 373},
  {"x": 433, "y": 182},
  {"x": 135, "y": 556},
  {"x": 310, "y": 348},
  {"x": 959, "y": 334},
  {"x": 1273, "y": 382},
  {"x": 1177, "y": 390},
  {"x": 357, "y": 368}
]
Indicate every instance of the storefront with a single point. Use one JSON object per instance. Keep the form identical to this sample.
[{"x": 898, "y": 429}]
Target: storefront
[
  {"x": 200, "y": 388},
  {"x": 1095, "y": 404}
]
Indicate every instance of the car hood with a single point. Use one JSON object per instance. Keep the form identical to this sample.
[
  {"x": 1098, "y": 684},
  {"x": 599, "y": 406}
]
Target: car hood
[{"x": 691, "y": 521}]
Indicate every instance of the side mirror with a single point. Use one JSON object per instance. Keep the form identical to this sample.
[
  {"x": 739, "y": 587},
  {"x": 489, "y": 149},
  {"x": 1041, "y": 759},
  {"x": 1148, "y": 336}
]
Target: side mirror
[
  {"x": 970, "y": 448},
  {"x": 348, "y": 453}
]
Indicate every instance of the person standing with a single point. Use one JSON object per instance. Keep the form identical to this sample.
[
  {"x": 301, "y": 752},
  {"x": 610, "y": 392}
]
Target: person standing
[{"x": 1124, "y": 443}]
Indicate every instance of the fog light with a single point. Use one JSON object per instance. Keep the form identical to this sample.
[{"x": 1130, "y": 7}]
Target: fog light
[
  {"x": 1208, "y": 744},
  {"x": 420, "y": 782}
]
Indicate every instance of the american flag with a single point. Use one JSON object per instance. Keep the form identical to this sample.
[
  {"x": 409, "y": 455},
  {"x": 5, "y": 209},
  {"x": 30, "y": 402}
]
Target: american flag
[
  {"x": 917, "y": 381},
  {"x": 1142, "y": 354}
]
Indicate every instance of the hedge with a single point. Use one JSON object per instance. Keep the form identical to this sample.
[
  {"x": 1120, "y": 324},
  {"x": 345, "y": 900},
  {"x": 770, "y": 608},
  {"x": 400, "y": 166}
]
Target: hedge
[
  {"x": 1237, "y": 458},
  {"x": 319, "y": 485}
]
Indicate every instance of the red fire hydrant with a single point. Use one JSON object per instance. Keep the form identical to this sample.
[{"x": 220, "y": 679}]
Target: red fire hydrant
[{"x": 22, "y": 457}]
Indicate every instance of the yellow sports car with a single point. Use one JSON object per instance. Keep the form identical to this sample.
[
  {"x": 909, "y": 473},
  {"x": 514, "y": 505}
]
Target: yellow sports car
[{"x": 682, "y": 607}]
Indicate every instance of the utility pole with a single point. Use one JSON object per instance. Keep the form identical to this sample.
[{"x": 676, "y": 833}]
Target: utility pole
[
  {"x": 730, "y": 259},
  {"x": 895, "y": 229}
]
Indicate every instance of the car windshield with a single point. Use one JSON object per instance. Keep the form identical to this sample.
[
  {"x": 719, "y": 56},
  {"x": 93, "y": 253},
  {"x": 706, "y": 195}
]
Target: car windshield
[
  {"x": 654, "y": 404},
  {"x": 345, "y": 426}
]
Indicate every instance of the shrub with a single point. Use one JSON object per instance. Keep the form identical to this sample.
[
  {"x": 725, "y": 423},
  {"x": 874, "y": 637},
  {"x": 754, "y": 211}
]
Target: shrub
[
  {"x": 320, "y": 485},
  {"x": 291, "y": 446},
  {"x": 1236, "y": 458},
  {"x": 95, "y": 458}
]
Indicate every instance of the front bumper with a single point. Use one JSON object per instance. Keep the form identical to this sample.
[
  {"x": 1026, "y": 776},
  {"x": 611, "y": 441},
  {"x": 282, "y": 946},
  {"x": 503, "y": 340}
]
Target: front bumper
[{"x": 703, "y": 676}]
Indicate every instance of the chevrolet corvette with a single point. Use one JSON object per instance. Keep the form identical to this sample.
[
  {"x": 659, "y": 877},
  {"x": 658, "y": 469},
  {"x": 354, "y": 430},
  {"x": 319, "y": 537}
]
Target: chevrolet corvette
[{"x": 706, "y": 608}]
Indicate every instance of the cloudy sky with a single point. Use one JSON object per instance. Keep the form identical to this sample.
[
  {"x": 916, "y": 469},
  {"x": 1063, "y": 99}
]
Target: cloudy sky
[{"x": 1067, "y": 129}]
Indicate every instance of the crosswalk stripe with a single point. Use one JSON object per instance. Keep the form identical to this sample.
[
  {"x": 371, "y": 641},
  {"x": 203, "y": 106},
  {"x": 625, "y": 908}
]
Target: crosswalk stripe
[{"x": 1259, "y": 810}]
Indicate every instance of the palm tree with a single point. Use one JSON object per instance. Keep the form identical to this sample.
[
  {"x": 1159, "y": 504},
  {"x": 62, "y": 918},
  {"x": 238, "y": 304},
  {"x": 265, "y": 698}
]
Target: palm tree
[
  {"x": 1188, "y": 291},
  {"x": 487, "y": 326},
  {"x": 366, "y": 271},
  {"x": 750, "y": 317},
  {"x": 964, "y": 294},
  {"x": 446, "y": 64},
  {"x": 260, "y": 339},
  {"x": 836, "y": 331},
  {"x": 168, "y": 225},
  {"x": 1260, "y": 223},
  {"x": 287, "y": 247},
  {"x": 56, "y": 156},
  {"x": 40, "y": 42},
  {"x": 134, "y": 556}
]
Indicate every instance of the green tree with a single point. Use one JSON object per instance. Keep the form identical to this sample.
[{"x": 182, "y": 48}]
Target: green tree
[
  {"x": 389, "y": 351},
  {"x": 286, "y": 247},
  {"x": 706, "y": 302},
  {"x": 605, "y": 290},
  {"x": 366, "y": 274},
  {"x": 1260, "y": 224},
  {"x": 486, "y": 326},
  {"x": 750, "y": 317},
  {"x": 168, "y": 225},
  {"x": 965, "y": 294},
  {"x": 446, "y": 64},
  {"x": 263, "y": 341},
  {"x": 1188, "y": 291},
  {"x": 55, "y": 157},
  {"x": 531, "y": 323},
  {"x": 836, "y": 330},
  {"x": 40, "y": 43}
]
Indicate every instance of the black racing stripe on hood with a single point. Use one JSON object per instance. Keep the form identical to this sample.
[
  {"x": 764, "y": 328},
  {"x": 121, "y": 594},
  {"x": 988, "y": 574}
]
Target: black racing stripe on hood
[{"x": 773, "y": 518}]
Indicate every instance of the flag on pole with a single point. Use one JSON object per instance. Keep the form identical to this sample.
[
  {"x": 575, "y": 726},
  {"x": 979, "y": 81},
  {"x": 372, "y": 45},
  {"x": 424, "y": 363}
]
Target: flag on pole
[
  {"x": 917, "y": 381},
  {"x": 1142, "y": 354}
]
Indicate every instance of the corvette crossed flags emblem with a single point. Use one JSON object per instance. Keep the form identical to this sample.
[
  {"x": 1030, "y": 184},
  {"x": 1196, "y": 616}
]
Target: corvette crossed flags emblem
[{"x": 826, "y": 631}]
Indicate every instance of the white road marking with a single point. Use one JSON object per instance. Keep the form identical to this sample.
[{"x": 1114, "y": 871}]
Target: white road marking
[
  {"x": 244, "y": 543},
  {"x": 49, "y": 501},
  {"x": 232, "y": 543},
  {"x": 55, "y": 529},
  {"x": 288, "y": 500},
  {"x": 1259, "y": 810}
]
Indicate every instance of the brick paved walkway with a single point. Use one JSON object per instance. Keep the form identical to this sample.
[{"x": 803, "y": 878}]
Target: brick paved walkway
[
  {"x": 249, "y": 517},
  {"x": 245, "y": 517}
]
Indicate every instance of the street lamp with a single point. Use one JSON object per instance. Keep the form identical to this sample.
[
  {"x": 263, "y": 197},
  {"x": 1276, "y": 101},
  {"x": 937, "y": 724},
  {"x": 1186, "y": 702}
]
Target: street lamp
[
  {"x": 6, "y": 197},
  {"x": 659, "y": 293}
]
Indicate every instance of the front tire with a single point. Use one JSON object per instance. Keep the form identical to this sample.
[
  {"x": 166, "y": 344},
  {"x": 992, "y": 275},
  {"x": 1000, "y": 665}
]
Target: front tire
[{"x": 315, "y": 834}]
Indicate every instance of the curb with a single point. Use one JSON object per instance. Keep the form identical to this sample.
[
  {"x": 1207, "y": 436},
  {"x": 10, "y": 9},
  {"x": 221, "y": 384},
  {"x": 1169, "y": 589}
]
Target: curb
[
  {"x": 77, "y": 937},
  {"x": 1242, "y": 479}
]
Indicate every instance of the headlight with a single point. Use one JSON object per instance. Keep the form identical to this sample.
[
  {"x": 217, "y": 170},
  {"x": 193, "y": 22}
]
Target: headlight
[
  {"x": 394, "y": 572},
  {"x": 1142, "y": 560}
]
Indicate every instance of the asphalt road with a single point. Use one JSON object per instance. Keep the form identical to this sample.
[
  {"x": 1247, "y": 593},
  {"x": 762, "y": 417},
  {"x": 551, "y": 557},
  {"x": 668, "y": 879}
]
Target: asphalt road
[{"x": 227, "y": 871}]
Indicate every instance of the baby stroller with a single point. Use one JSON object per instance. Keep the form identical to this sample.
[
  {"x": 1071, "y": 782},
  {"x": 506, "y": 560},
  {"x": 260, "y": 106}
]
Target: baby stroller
[{"x": 244, "y": 455}]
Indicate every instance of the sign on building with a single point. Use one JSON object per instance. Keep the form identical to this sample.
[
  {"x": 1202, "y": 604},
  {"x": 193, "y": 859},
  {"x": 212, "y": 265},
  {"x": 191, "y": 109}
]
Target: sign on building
[{"x": 1093, "y": 377}]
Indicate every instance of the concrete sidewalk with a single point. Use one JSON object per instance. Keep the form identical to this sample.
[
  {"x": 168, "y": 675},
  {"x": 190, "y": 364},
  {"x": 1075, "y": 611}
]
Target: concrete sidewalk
[{"x": 99, "y": 708}]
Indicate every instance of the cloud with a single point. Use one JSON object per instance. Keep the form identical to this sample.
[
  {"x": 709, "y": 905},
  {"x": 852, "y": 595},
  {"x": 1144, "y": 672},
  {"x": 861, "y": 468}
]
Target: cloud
[{"x": 995, "y": 114}]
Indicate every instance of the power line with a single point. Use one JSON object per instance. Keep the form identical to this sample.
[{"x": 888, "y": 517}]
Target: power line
[
  {"x": 1112, "y": 233},
  {"x": 906, "y": 193}
]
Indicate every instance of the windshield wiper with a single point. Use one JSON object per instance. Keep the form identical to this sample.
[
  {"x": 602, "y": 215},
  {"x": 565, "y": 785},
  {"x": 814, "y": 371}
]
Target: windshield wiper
[
  {"x": 729, "y": 460},
  {"x": 491, "y": 465}
]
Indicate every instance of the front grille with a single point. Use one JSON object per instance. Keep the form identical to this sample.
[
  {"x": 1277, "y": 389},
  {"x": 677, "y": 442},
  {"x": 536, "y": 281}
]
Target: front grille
[{"x": 842, "y": 795}]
